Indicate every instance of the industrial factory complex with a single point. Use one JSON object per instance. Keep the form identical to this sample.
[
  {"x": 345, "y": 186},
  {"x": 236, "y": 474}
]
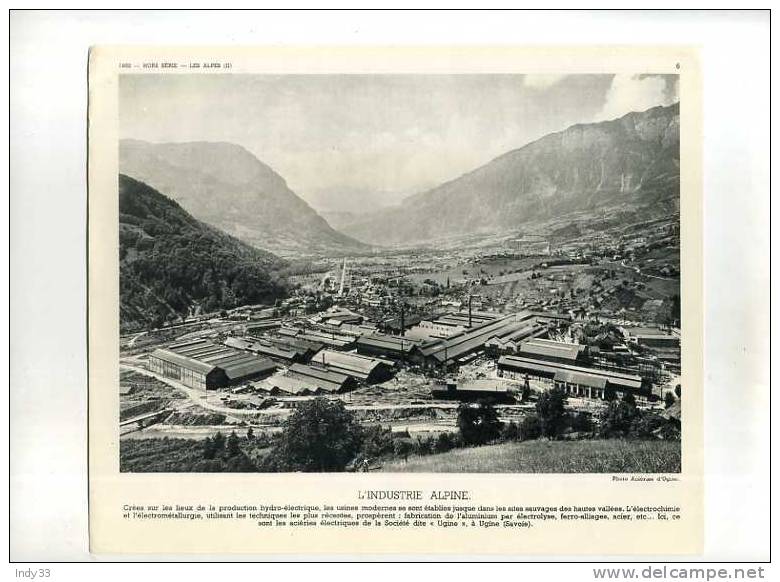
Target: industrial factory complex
[
  {"x": 337, "y": 352},
  {"x": 404, "y": 340}
]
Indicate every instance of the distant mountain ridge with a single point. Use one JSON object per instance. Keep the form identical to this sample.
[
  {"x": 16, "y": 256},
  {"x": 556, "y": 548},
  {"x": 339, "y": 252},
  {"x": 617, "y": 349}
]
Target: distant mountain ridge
[
  {"x": 633, "y": 161},
  {"x": 226, "y": 186},
  {"x": 171, "y": 263}
]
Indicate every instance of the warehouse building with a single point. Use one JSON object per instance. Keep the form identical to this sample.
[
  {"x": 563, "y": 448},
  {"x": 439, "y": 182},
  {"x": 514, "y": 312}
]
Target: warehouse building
[
  {"x": 652, "y": 338},
  {"x": 466, "y": 319},
  {"x": 204, "y": 365},
  {"x": 262, "y": 326},
  {"x": 362, "y": 368},
  {"x": 552, "y": 351},
  {"x": 314, "y": 379},
  {"x": 397, "y": 325},
  {"x": 492, "y": 389},
  {"x": 433, "y": 330},
  {"x": 463, "y": 347},
  {"x": 279, "y": 352},
  {"x": 386, "y": 346},
  {"x": 575, "y": 380},
  {"x": 331, "y": 339},
  {"x": 510, "y": 344}
]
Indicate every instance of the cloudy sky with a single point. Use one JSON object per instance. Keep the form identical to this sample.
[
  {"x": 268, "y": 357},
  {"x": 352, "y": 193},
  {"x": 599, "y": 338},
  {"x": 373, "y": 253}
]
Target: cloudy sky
[{"x": 351, "y": 142}]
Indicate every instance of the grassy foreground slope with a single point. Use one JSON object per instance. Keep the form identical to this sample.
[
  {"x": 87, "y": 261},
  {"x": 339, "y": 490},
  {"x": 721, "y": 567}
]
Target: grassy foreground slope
[{"x": 591, "y": 456}]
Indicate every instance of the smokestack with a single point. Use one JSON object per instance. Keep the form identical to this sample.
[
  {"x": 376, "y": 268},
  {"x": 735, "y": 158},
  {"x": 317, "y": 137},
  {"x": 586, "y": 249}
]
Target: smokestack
[
  {"x": 403, "y": 322},
  {"x": 469, "y": 310}
]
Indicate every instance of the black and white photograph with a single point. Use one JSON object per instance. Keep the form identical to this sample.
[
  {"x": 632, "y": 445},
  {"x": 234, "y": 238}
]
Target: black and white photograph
[{"x": 464, "y": 273}]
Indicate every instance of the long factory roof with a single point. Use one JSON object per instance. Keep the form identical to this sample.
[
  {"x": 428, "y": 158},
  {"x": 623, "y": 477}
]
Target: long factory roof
[
  {"x": 467, "y": 341},
  {"x": 204, "y": 356},
  {"x": 551, "y": 349},
  {"x": 388, "y": 342},
  {"x": 629, "y": 380}
]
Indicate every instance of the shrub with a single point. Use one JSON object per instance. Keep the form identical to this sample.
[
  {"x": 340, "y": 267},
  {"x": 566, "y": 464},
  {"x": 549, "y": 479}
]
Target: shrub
[
  {"x": 580, "y": 422},
  {"x": 377, "y": 441},
  {"x": 402, "y": 448},
  {"x": 424, "y": 445},
  {"x": 530, "y": 428},
  {"x": 444, "y": 442},
  {"x": 478, "y": 424},
  {"x": 645, "y": 424},
  {"x": 510, "y": 432},
  {"x": 617, "y": 418}
]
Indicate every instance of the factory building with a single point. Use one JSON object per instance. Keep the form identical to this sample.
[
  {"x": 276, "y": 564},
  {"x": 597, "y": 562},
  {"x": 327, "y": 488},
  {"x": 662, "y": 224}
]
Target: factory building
[
  {"x": 510, "y": 344},
  {"x": 262, "y": 326},
  {"x": 493, "y": 389},
  {"x": 574, "y": 380},
  {"x": 398, "y": 325},
  {"x": 433, "y": 330},
  {"x": 204, "y": 365},
  {"x": 313, "y": 379},
  {"x": 652, "y": 338},
  {"x": 386, "y": 346},
  {"x": 337, "y": 316},
  {"x": 461, "y": 348},
  {"x": 280, "y": 351},
  {"x": 552, "y": 351},
  {"x": 466, "y": 319},
  {"x": 362, "y": 368}
]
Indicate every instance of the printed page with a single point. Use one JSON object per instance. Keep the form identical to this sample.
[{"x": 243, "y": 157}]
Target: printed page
[{"x": 395, "y": 301}]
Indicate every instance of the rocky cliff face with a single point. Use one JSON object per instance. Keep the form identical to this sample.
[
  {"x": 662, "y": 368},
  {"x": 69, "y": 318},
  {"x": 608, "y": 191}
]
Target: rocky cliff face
[
  {"x": 628, "y": 162},
  {"x": 226, "y": 186}
]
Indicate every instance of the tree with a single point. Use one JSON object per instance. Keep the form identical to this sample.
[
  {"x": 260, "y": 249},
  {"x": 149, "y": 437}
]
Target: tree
[
  {"x": 551, "y": 410},
  {"x": 320, "y": 436},
  {"x": 250, "y": 434},
  {"x": 219, "y": 442},
  {"x": 616, "y": 420},
  {"x": 668, "y": 399},
  {"x": 233, "y": 447},
  {"x": 402, "y": 448},
  {"x": 525, "y": 393},
  {"x": 209, "y": 451},
  {"x": 478, "y": 424}
]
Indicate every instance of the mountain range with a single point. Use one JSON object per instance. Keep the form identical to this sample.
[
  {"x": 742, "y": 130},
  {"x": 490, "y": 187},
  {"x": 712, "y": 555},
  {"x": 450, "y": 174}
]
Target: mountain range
[
  {"x": 226, "y": 186},
  {"x": 628, "y": 163},
  {"x": 172, "y": 264}
]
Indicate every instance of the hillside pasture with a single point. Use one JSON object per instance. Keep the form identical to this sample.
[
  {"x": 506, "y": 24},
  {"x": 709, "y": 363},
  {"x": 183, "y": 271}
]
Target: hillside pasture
[{"x": 588, "y": 456}]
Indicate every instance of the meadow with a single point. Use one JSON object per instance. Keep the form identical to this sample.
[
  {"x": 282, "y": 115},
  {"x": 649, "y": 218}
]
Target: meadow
[{"x": 588, "y": 456}]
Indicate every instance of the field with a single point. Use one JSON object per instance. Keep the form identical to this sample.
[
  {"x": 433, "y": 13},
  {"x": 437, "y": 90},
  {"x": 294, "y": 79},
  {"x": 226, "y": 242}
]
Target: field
[
  {"x": 592, "y": 456},
  {"x": 174, "y": 455}
]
